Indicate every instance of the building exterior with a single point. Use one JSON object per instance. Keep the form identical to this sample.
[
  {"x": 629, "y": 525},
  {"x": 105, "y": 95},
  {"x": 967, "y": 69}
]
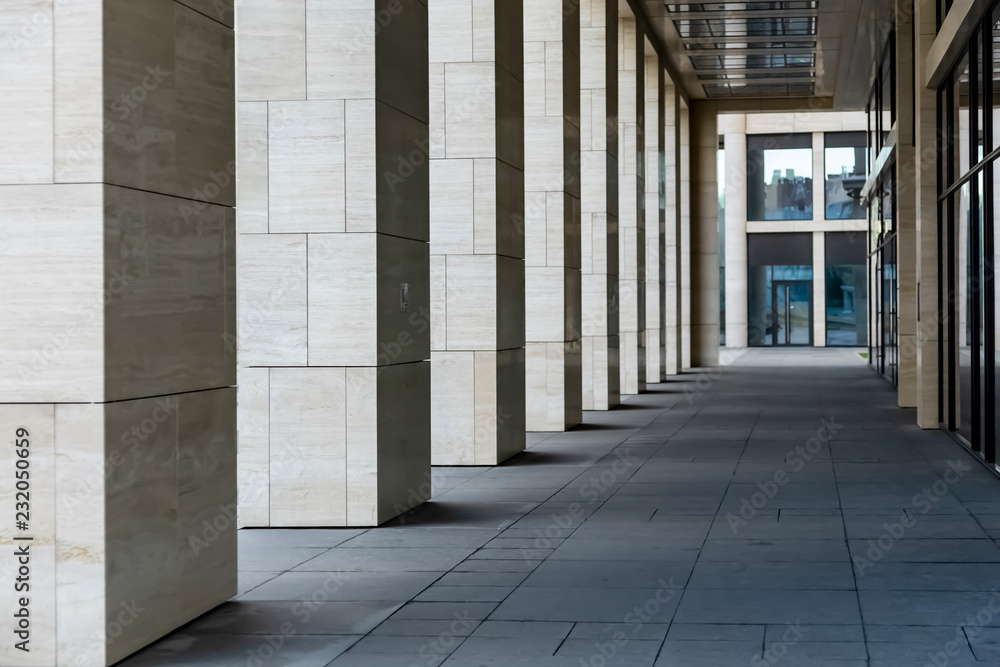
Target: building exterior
[{"x": 795, "y": 228}]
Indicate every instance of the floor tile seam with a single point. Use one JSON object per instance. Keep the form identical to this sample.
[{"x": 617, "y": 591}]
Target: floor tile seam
[
  {"x": 413, "y": 600},
  {"x": 701, "y": 549},
  {"x": 850, "y": 558},
  {"x": 571, "y": 628},
  {"x": 250, "y": 590}
]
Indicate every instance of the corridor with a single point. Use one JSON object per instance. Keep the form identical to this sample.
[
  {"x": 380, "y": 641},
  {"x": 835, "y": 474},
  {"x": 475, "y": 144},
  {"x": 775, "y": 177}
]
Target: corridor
[{"x": 778, "y": 510}]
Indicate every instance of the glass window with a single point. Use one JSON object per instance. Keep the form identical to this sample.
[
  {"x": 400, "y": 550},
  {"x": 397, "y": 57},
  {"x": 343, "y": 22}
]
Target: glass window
[
  {"x": 966, "y": 293},
  {"x": 780, "y": 302},
  {"x": 887, "y": 81},
  {"x": 779, "y": 294},
  {"x": 992, "y": 74},
  {"x": 845, "y": 175},
  {"x": 779, "y": 177},
  {"x": 846, "y": 289},
  {"x": 884, "y": 351},
  {"x": 963, "y": 123},
  {"x": 873, "y": 146},
  {"x": 977, "y": 93}
]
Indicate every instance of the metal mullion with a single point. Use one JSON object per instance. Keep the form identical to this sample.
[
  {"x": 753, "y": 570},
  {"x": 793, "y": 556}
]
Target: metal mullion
[
  {"x": 974, "y": 254},
  {"x": 964, "y": 178},
  {"x": 989, "y": 321},
  {"x": 939, "y": 176},
  {"x": 950, "y": 260},
  {"x": 868, "y": 269},
  {"x": 880, "y": 263},
  {"x": 989, "y": 288}
]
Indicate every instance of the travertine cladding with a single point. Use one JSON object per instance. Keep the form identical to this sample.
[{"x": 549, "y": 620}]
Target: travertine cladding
[
  {"x": 684, "y": 243},
  {"x": 116, "y": 356},
  {"x": 674, "y": 195},
  {"x": 905, "y": 212},
  {"x": 477, "y": 231},
  {"x": 552, "y": 214},
  {"x": 632, "y": 205},
  {"x": 656, "y": 220},
  {"x": 334, "y": 271},
  {"x": 704, "y": 246},
  {"x": 733, "y": 128},
  {"x": 599, "y": 202},
  {"x": 928, "y": 330}
]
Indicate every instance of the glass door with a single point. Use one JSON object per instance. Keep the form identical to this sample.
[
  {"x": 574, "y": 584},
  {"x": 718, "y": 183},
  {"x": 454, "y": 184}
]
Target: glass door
[{"x": 792, "y": 300}]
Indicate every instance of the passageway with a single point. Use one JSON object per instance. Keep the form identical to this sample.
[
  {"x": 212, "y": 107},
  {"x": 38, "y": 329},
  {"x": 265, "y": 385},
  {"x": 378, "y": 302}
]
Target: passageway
[{"x": 780, "y": 510}]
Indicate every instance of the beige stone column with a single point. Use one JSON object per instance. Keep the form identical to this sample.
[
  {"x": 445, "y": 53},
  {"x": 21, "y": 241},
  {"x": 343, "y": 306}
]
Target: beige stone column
[
  {"x": 476, "y": 231},
  {"x": 599, "y": 202},
  {"x": 925, "y": 210},
  {"x": 687, "y": 195},
  {"x": 656, "y": 212},
  {"x": 553, "y": 346},
  {"x": 672, "y": 317},
  {"x": 117, "y": 378},
  {"x": 906, "y": 209},
  {"x": 632, "y": 205},
  {"x": 334, "y": 332},
  {"x": 819, "y": 240},
  {"x": 704, "y": 237},
  {"x": 819, "y": 282},
  {"x": 819, "y": 175},
  {"x": 734, "y": 130}
]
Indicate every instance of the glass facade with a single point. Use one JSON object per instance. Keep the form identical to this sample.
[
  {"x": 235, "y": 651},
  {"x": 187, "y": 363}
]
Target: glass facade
[
  {"x": 846, "y": 286},
  {"x": 846, "y": 171},
  {"x": 883, "y": 307},
  {"x": 779, "y": 177},
  {"x": 967, "y": 171},
  {"x": 883, "y": 352},
  {"x": 779, "y": 289}
]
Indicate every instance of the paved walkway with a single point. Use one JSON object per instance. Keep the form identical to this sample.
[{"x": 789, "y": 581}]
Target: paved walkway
[{"x": 780, "y": 510}]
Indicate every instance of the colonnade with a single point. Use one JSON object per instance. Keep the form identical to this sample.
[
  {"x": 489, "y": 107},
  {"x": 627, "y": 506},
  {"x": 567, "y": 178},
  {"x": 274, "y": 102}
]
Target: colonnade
[{"x": 280, "y": 285}]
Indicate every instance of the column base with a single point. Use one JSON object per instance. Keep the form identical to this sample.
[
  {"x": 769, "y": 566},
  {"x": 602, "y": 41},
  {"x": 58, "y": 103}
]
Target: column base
[
  {"x": 600, "y": 367},
  {"x": 132, "y": 523},
  {"x": 333, "y": 447},
  {"x": 554, "y": 385},
  {"x": 478, "y": 411}
]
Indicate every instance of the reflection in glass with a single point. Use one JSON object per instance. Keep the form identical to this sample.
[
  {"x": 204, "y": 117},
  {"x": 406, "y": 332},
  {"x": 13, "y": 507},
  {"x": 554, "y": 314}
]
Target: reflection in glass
[
  {"x": 889, "y": 312},
  {"x": 966, "y": 293},
  {"x": 846, "y": 305},
  {"x": 780, "y": 302},
  {"x": 792, "y": 312},
  {"x": 779, "y": 177},
  {"x": 845, "y": 175}
]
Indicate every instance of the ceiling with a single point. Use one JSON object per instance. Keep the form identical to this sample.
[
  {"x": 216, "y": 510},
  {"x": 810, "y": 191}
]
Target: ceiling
[{"x": 770, "y": 49}]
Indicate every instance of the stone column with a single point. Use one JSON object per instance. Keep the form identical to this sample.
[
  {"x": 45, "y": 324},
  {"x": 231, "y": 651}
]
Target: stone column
[
  {"x": 656, "y": 212},
  {"x": 553, "y": 346},
  {"x": 819, "y": 239},
  {"x": 905, "y": 214},
  {"x": 477, "y": 231},
  {"x": 632, "y": 205},
  {"x": 117, "y": 380},
  {"x": 599, "y": 202},
  {"x": 819, "y": 283},
  {"x": 734, "y": 129},
  {"x": 687, "y": 195},
  {"x": 671, "y": 117},
  {"x": 704, "y": 238},
  {"x": 333, "y": 261},
  {"x": 925, "y": 186}
]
